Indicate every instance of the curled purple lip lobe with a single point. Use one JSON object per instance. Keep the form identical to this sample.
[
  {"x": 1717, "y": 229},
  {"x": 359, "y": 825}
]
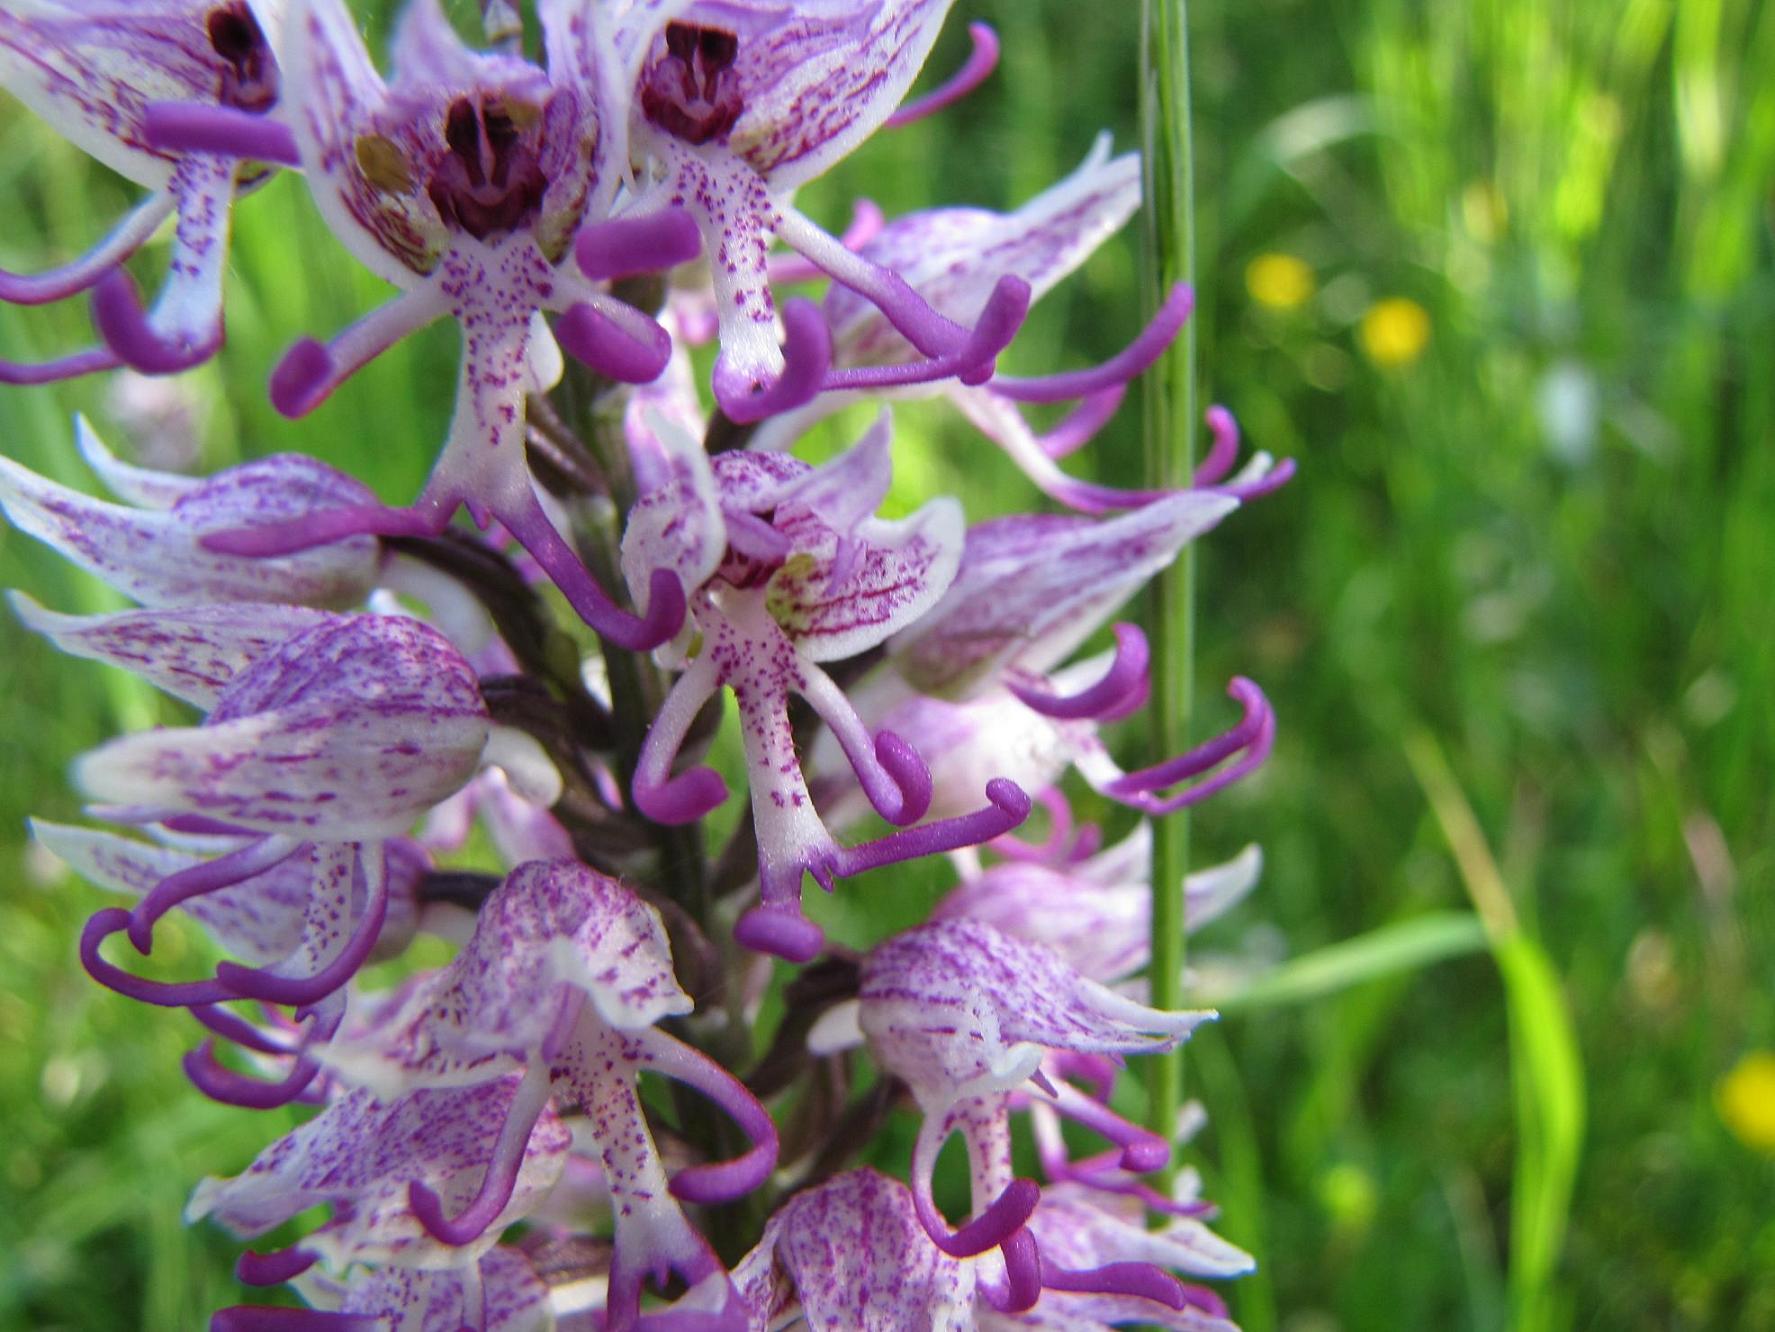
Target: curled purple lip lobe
[
  {"x": 1127, "y": 365},
  {"x": 1126, "y": 679},
  {"x": 125, "y": 328},
  {"x": 978, "y": 67}
]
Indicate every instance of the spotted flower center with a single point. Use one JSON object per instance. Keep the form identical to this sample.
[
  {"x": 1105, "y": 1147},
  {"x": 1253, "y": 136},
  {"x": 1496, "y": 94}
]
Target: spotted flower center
[
  {"x": 249, "y": 73},
  {"x": 691, "y": 92},
  {"x": 491, "y": 180}
]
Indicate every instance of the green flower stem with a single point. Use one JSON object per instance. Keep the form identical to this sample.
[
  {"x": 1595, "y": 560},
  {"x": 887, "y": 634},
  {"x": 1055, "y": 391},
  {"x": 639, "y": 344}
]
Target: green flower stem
[{"x": 1170, "y": 416}]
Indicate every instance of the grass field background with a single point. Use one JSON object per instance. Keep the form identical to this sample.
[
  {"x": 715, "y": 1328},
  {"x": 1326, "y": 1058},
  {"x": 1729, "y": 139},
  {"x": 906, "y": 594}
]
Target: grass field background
[{"x": 1498, "y": 274}]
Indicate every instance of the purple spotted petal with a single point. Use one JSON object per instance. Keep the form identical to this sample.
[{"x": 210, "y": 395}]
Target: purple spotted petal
[
  {"x": 956, "y": 1008},
  {"x": 814, "y": 83},
  {"x": 359, "y": 1155},
  {"x": 953, "y": 257},
  {"x": 348, "y": 731},
  {"x": 838, "y": 596},
  {"x": 1031, "y": 589},
  {"x": 854, "y": 1255},
  {"x": 192, "y": 654},
  {"x": 154, "y": 555},
  {"x": 509, "y": 1297},
  {"x": 550, "y": 925},
  {"x": 1097, "y": 914},
  {"x": 676, "y": 524}
]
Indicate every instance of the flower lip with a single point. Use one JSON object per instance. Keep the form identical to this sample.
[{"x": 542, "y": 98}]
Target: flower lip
[
  {"x": 689, "y": 92},
  {"x": 249, "y": 78}
]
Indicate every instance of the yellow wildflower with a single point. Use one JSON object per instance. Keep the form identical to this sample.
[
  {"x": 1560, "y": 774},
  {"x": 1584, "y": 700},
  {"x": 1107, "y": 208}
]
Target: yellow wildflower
[
  {"x": 1279, "y": 281},
  {"x": 1745, "y": 1098},
  {"x": 1394, "y": 332}
]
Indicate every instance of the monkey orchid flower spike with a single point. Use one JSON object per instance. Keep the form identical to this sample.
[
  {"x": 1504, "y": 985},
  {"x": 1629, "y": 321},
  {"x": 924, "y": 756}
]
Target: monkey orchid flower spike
[
  {"x": 563, "y": 981},
  {"x": 789, "y": 568},
  {"x": 500, "y": 1293},
  {"x": 464, "y": 182},
  {"x": 738, "y": 103},
  {"x": 151, "y": 550},
  {"x": 98, "y": 71},
  {"x": 322, "y": 743},
  {"x": 965, "y": 1015}
]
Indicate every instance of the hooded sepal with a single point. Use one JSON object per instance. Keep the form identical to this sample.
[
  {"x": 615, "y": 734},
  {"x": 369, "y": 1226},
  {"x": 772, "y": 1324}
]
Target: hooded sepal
[
  {"x": 346, "y": 731},
  {"x": 155, "y": 555}
]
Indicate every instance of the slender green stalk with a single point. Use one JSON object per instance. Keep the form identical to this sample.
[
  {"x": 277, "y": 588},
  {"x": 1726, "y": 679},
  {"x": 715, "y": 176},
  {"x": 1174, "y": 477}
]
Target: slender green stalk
[{"x": 1170, "y": 408}]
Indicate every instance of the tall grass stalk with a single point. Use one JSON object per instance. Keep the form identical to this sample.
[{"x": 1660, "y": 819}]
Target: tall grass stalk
[{"x": 1170, "y": 413}]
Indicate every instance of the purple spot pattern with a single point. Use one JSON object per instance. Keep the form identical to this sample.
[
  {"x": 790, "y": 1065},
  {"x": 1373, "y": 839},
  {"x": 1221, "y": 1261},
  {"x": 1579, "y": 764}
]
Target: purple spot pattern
[{"x": 154, "y": 555}]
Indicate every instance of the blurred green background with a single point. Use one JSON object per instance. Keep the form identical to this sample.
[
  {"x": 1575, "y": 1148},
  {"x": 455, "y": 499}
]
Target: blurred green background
[{"x": 1497, "y": 273}]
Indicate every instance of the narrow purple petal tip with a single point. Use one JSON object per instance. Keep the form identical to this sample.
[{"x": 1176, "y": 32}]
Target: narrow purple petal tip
[
  {"x": 683, "y": 799},
  {"x": 807, "y": 358},
  {"x": 1124, "y": 682},
  {"x": 303, "y": 379},
  {"x": 1126, "y": 365},
  {"x": 981, "y": 61},
  {"x": 785, "y": 934},
  {"x": 1140, "y": 1280},
  {"x": 115, "y": 920},
  {"x": 227, "y": 1087},
  {"x": 273, "y": 1269},
  {"x": 630, "y": 246},
  {"x": 124, "y": 327},
  {"x": 195, "y": 127},
  {"x": 595, "y": 340},
  {"x": 90, "y": 361},
  {"x": 911, "y": 775},
  {"x": 1003, "y": 1218}
]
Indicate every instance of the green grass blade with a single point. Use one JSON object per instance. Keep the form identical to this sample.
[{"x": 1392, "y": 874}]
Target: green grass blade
[{"x": 1403, "y": 946}]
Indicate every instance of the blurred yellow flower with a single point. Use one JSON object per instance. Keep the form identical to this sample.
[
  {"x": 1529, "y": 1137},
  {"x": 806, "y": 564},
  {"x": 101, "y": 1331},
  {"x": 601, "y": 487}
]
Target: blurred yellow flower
[
  {"x": 1746, "y": 1100},
  {"x": 1279, "y": 281},
  {"x": 1394, "y": 332}
]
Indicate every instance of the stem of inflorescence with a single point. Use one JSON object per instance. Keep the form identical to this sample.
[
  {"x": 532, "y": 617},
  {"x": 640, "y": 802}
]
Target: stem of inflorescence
[{"x": 1170, "y": 424}]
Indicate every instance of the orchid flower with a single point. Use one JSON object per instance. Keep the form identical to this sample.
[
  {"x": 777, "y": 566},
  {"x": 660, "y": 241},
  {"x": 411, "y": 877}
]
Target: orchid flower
[
  {"x": 474, "y": 182},
  {"x": 563, "y": 982},
  {"x": 947, "y": 255},
  {"x": 971, "y": 681},
  {"x": 965, "y": 1016},
  {"x": 150, "y": 549},
  {"x": 326, "y": 737},
  {"x": 788, "y": 568},
  {"x": 98, "y": 71},
  {"x": 736, "y": 104}
]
